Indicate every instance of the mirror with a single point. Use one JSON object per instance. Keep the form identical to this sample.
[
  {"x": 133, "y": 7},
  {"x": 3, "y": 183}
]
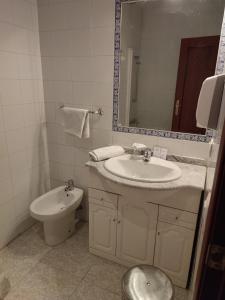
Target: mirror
[{"x": 164, "y": 49}]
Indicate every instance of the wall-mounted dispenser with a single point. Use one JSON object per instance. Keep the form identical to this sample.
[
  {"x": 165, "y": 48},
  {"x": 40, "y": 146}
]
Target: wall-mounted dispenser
[{"x": 209, "y": 102}]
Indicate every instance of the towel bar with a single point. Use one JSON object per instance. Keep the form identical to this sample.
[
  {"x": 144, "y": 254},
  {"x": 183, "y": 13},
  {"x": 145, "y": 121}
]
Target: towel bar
[{"x": 96, "y": 112}]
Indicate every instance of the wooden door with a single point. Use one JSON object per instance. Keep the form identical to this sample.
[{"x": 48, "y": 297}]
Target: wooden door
[
  {"x": 136, "y": 231},
  {"x": 197, "y": 62},
  {"x": 102, "y": 224},
  {"x": 173, "y": 251}
]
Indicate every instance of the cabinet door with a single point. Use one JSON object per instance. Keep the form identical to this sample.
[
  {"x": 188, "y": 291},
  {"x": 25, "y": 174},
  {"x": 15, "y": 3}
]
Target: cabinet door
[
  {"x": 102, "y": 227},
  {"x": 173, "y": 251},
  {"x": 136, "y": 232}
]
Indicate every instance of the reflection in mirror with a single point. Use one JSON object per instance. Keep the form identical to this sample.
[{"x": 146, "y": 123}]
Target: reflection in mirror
[{"x": 167, "y": 49}]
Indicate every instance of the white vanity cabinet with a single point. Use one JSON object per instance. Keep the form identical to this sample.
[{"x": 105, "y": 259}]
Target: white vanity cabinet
[
  {"x": 130, "y": 232},
  {"x": 173, "y": 251},
  {"x": 136, "y": 232},
  {"x": 102, "y": 221},
  {"x": 174, "y": 243}
]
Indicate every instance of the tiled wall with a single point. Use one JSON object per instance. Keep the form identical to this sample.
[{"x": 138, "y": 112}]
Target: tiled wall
[
  {"x": 23, "y": 167},
  {"x": 77, "y": 59}
]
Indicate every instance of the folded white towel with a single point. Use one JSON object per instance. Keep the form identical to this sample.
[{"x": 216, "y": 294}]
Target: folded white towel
[
  {"x": 76, "y": 121},
  {"x": 106, "y": 152}
]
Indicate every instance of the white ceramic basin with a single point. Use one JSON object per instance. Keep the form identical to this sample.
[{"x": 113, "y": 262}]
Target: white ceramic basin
[{"x": 156, "y": 170}]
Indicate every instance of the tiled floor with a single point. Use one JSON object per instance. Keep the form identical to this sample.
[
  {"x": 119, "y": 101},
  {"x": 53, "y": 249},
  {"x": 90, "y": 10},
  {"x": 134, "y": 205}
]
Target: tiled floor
[{"x": 66, "y": 272}]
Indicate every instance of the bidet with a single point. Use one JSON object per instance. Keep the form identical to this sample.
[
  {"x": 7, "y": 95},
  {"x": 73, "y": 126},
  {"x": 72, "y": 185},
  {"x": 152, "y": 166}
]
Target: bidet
[{"x": 56, "y": 209}]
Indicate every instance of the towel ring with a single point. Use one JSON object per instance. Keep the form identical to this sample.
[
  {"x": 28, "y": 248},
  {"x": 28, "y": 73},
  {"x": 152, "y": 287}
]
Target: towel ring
[{"x": 96, "y": 112}]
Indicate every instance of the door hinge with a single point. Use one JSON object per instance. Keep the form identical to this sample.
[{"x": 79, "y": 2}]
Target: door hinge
[{"x": 216, "y": 257}]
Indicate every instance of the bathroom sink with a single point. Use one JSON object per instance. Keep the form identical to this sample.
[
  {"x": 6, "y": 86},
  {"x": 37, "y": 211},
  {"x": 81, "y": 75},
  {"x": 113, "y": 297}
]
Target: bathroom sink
[{"x": 134, "y": 168}]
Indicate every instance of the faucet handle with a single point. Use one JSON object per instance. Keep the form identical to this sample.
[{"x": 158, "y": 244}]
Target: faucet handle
[
  {"x": 70, "y": 182},
  {"x": 147, "y": 154}
]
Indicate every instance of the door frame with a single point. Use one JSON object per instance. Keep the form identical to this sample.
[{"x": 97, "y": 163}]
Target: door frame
[
  {"x": 210, "y": 281},
  {"x": 186, "y": 43}
]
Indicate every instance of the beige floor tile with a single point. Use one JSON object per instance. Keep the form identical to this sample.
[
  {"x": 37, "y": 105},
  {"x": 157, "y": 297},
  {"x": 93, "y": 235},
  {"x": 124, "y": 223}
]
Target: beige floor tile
[
  {"x": 63, "y": 260},
  {"x": 20, "y": 256},
  {"x": 65, "y": 272},
  {"x": 90, "y": 292},
  {"x": 107, "y": 276},
  {"x": 181, "y": 294},
  {"x": 47, "y": 283}
]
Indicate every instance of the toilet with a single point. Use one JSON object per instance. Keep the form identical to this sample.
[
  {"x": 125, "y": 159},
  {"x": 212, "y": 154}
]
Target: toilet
[{"x": 56, "y": 209}]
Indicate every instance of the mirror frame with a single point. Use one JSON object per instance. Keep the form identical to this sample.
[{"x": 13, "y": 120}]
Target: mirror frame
[{"x": 116, "y": 84}]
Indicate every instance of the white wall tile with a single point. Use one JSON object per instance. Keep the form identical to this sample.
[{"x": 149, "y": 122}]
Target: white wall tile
[
  {"x": 102, "y": 41},
  {"x": 7, "y": 223},
  {"x": 27, "y": 91},
  {"x": 102, "y": 68},
  {"x": 80, "y": 42},
  {"x": 102, "y": 13},
  {"x": 1, "y": 119},
  {"x": 50, "y": 112},
  {"x": 4, "y": 169},
  {"x": 7, "y": 37},
  {"x": 82, "y": 69},
  {"x": 22, "y": 138},
  {"x": 56, "y": 68},
  {"x": 58, "y": 91},
  {"x": 10, "y": 92},
  {"x": 16, "y": 140},
  {"x": 6, "y": 10},
  {"x": 9, "y": 65},
  {"x": 22, "y": 14},
  {"x": 3, "y": 145},
  {"x": 13, "y": 117},
  {"x": 104, "y": 121}
]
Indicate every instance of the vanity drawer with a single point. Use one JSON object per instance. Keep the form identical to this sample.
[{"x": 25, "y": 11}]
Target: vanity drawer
[
  {"x": 102, "y": 198},
  {"x": 177, "y": 217}
]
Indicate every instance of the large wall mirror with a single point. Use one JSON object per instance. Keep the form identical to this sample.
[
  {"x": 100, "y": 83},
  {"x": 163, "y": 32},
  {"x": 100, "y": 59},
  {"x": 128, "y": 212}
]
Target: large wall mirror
[{"x": 164, "y": 49}]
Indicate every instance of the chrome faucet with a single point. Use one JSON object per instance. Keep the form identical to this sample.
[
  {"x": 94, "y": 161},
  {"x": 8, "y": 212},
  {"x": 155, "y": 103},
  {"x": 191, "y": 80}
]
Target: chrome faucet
[
  {"x": 69, "y": 185},
  {"x": 147, "y": 155}
]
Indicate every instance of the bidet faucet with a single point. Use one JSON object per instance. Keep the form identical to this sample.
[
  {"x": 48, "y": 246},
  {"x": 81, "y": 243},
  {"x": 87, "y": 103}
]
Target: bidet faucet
[
  {"x": 147, "y": 155},
  {"x": 69, "y": 185}
]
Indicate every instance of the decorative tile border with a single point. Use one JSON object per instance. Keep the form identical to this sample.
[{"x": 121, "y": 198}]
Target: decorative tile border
[{"x": 153, "y": 132}]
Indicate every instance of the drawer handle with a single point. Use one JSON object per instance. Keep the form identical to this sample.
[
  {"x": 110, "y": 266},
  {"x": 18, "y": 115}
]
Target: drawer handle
[{"x": 102, "y": 199}]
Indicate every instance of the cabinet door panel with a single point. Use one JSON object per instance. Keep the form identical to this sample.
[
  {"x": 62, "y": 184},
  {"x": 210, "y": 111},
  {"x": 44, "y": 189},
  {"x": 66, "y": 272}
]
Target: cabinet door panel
[
  {"x": 173, "y": 251},
  {"x": 136, "y": 232},
  {"x": 102, "y": 224}
]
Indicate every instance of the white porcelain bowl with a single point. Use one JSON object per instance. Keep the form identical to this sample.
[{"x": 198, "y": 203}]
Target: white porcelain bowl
[
  {"x": 57, "y": 210},
  {"x": 134, "y": 168}
]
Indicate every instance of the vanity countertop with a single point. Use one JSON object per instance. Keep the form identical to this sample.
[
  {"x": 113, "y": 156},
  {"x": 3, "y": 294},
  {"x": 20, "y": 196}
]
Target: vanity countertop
[{"x": 192, "y": 176}]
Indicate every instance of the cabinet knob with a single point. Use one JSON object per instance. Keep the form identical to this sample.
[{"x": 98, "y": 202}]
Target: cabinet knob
[
  {"x": 118, "y": 222},
  {"x": 101, "y": 199},
  {"x": 158, "y": 233},
  {"x": 177, "y": 218},
  {"x": 114, "y": 219}
]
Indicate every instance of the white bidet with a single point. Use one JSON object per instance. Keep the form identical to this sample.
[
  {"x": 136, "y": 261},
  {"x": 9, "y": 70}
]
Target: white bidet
[{"x": 56, "y": 209}]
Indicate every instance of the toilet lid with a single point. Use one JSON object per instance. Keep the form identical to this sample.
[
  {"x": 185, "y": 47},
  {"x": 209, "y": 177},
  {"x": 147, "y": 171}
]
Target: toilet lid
[{"x": 147, "y": 283}]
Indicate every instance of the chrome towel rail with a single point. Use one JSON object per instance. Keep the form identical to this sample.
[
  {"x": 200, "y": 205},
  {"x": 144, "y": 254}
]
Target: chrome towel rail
[{"x": 96, "y": 112}]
